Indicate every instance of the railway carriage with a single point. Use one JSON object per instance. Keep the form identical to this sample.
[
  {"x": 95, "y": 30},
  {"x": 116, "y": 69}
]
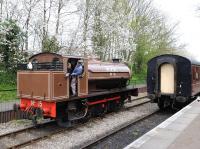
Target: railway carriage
[
  {"x": 45, "y": 91},
  {"x": 172, "y": 80}
]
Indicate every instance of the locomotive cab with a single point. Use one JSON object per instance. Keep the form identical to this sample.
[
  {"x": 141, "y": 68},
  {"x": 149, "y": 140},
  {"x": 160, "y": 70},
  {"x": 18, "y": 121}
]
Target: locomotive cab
[
  {"x": 55, "y": 64},
  {"x": 82, "y": 80},
  {"x": 48, "y": 82}
]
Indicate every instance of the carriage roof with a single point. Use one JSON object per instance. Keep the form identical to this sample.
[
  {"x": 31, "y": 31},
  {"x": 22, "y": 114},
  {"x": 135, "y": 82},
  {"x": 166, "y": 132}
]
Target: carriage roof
[{"x": 192, "y": 61}]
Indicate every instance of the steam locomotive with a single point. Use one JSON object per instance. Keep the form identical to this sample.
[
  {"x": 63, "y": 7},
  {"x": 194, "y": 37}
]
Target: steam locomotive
[
  {"x": 45, "y": 91},
  {"x": 172, "y": 80}
]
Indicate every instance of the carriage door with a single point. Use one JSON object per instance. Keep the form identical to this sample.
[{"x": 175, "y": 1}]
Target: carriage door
[
  {"x": 167, "y": 78},
  {"x": 83, "y": 80}
]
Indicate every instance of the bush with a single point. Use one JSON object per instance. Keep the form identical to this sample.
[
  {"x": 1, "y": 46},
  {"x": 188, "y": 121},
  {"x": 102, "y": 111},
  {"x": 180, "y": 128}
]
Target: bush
[{"x": 7, "y": 78}]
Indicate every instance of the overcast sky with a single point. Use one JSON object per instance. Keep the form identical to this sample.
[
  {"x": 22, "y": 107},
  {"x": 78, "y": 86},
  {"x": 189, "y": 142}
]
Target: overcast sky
[{"x": 185, "y": 12}]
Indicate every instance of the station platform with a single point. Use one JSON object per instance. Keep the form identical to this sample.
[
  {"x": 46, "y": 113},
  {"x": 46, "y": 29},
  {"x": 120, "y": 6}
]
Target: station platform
[{"x": 180, "y": 131}]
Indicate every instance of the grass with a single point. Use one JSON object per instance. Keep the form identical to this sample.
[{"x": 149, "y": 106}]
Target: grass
[
  {"x": 7, "y": 86},
  {"x": 7, "y": 95},
  {"x": 137, "y": 82},
  {"x": 138, "y": 79},
  {"x": 7, "y": 82}
]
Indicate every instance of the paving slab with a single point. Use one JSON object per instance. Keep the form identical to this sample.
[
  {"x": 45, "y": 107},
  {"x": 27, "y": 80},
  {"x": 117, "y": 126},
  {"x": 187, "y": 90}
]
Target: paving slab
[
  {"x": 179, "y": 131},
  {"x": 7, "y": 105}
]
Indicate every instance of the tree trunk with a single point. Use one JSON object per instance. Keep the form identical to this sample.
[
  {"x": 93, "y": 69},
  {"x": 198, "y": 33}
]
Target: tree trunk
[
  {"x": 60, "y": 4},
  {"x": 85, "y": 28},
  {"x": 44, "y": 25},
  {"x": 1, "y": 13}
]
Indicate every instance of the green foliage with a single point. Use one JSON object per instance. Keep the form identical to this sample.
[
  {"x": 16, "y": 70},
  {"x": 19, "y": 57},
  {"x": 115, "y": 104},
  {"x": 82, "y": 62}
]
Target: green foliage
[
  {"x": 11, "y": 41},
  {"x": 50, "y": 44},
  {"x": 152, "y": 36},
  {"x": 11, "y": 38},
  {"x": 132, "y": 30},
  {"x": 138, "y": 79},
  {"x": 7, "y": 79}
]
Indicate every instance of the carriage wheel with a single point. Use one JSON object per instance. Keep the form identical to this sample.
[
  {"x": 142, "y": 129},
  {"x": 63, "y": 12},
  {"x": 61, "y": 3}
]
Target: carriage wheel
[{"x": 161, "y": 104}]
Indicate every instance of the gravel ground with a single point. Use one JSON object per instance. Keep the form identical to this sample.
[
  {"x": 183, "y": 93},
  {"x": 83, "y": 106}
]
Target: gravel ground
[
  {"x": 20, "y": 124},
  {"x": 139, "y": 95},
  {"x": 128, "y": 135},
  {"x": 14, "y": 125},
  {"x": 33, "y": 133},
  {"x": 17, "y": 125},
  {"x": 95, "y": 128}
]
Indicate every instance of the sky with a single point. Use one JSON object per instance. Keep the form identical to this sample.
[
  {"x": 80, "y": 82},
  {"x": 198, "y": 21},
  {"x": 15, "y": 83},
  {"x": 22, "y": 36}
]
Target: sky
[{"x": 185, "y": 13}]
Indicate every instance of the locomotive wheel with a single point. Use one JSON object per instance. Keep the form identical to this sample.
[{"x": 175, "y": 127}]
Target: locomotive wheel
[
  {"x": 118, "y": 106},
  {"x": 87, "y": 117},
  {"x": 63, "y": 122},
  {"x": 164, "y": 103},
  {"x": 115, "y": 106}
]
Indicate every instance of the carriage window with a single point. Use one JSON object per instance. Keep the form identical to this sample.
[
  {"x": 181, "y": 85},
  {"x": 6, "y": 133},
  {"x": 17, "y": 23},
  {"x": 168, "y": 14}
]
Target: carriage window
[
  {"x": 198, "y": 73},
  {"x": 197, "y": 76},
  {"x": 193, "y": 74}
]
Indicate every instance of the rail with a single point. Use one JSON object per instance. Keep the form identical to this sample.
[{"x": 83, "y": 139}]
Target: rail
[{"x": 112, "y": 132}]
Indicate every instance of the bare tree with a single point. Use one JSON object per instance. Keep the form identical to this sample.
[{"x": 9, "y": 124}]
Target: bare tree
[
  {"x": 44, "y": 27},
  {"x": 1, "y": 9},
  {"x": 29, "y": 6},
  {"x": 85, "y": 25},
  {"x": 60, "y": 6}
]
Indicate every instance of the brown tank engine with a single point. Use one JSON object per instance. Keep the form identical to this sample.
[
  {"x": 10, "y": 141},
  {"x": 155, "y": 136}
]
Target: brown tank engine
[{"x": 45, "y": 87}]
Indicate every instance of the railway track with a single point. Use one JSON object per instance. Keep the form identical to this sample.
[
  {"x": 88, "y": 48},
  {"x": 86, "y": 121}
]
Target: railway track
[
  {"x": 27, "y": 135},
  {"x": 31, "y": 135},
  {"x": 112, "y": 132}
]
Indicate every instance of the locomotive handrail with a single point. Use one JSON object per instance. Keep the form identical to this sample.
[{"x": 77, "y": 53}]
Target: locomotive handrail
[{"x": 43, "y": 66}]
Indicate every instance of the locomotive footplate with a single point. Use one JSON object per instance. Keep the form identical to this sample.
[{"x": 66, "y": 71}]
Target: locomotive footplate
[{"x": 129, "y": 89}]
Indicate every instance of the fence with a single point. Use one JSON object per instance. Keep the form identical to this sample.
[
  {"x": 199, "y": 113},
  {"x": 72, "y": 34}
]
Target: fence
[
  {"x": 7, "y": 101},
  {"x": 6, "y": 116}
]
